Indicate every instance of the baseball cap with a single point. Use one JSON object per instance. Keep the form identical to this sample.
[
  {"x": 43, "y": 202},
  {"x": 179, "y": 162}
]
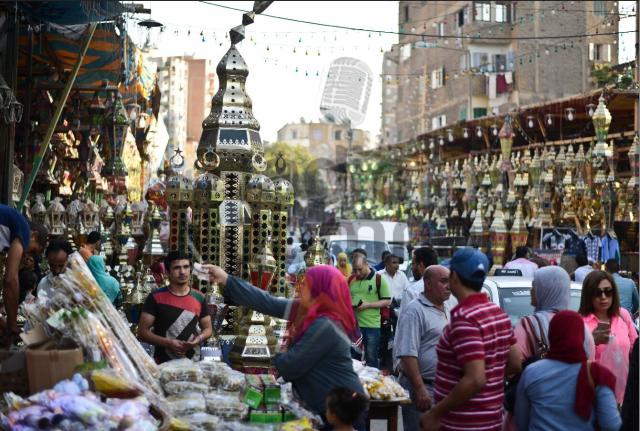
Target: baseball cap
[{"x": 470, "y": 264}]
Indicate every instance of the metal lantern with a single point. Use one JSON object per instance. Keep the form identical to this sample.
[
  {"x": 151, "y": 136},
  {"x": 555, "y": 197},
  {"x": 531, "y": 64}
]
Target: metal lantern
[
  {"x": 601, "y": 122},
  {"x": 591, "y": 108},
  {"x": 570, "y": 113},
  {"x": 118, "y": 126},
  {"x": 38, "y": 210},
  {"x": 56, "y": 218},
  {"x": 506, "y": 142},
  {"x": 17, "y": 184}
]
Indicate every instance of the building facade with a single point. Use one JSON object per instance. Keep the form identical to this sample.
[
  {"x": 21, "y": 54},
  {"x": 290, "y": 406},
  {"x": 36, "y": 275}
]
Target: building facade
[
  {"x": 185, "y": 79},
  {"x": 457, "y": 61},
  {"x": 323, "y": 139}
]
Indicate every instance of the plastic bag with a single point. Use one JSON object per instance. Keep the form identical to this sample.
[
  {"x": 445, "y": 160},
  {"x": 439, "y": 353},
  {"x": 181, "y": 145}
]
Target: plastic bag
[
  {"x": 178, "y": 388},
  {"x": 114, "y": 385},
  {"x": 201, "y": 422},
  {"x": 181, "y": 370},
  {"x": 233, "y": 381},
  {"x": 214, "y": 372},
  {"x": 227, "y": 406},
  {"x": 185, "y": 405}
]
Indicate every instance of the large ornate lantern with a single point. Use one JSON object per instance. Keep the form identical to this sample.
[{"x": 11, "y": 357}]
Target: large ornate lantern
[
  {"x": 57, "y": 218},
  {"x": 118, "y": 126},
  {"x": 38, "y": 210}
]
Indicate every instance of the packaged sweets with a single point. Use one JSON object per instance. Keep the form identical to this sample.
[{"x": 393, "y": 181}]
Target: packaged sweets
[
  {"x": 227, "y": 406},
  {"x": 201, "y": 422},
  {"x": 178, "y": 388},
  {"x": 181, "y": 370},
  {"x": 187, "y": 404}
]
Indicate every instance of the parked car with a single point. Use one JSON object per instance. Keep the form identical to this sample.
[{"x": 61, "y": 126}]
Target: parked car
[{"x": 513, "y": 295}]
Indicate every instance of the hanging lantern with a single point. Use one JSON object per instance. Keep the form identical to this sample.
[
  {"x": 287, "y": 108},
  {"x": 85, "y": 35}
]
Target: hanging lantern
[
  {"x": 56, "y": 218},
  {"x": 506, "y": 142},
  {"x": 530, "y": 119},
  {"x": 440, "y": 140},
  {"x": 465, "y": 133},
  {"x": 118, "y": 125},
  {"x": 450, "y": 135},
  {"x": 601, "y": 121},
  {"x": 591, "y": 108},
  {"x": 548, "y": 119},
  {"x": 570, "y": 113},
  {"x": 133, "y": 110},
  {"x": 479, "y": 132},
  {"x": 494, "y": 130}
]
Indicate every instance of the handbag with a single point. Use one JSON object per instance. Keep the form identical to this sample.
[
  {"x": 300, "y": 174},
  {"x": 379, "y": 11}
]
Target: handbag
[{"x": 539, "y": 347}]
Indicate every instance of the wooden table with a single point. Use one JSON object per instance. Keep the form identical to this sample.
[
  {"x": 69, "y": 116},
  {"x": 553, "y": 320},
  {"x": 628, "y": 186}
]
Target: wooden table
[{"x": 386, "y": 410}]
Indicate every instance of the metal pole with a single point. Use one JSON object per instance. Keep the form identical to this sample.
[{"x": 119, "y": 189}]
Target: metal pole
[
  {"x": 8, "y": 66},
  {"x": 37, "y": 161},
  {"x": 26, "y": 122},
  {"x": 470, "y": 101}
]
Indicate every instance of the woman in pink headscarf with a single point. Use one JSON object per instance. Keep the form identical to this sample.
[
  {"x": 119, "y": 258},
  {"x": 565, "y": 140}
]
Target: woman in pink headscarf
[{"x": 321, "y": 329}]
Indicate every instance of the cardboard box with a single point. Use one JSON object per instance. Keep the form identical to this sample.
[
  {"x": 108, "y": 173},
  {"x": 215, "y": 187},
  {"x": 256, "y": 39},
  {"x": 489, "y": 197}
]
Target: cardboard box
[
  {"x": 48, "y": 364},
  {"x": 13, "y": 373}
]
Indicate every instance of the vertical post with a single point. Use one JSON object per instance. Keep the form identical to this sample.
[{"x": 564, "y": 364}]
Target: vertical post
[
  {"x": 470, "y": 101},
  {"x": 637, "y": 122},
  {"x": 37, "y": 161},
  {"x": 26, "y": 121},
  {"x": 348, "y": 158},
  {"x": 8, "y": 68}
]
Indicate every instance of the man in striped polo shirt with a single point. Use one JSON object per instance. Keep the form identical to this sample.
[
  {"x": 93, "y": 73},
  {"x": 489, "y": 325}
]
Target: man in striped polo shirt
[{"x": 475, "y": 352}]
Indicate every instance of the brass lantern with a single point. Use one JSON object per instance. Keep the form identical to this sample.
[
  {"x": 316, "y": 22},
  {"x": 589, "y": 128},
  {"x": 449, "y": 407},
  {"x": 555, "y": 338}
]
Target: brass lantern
[
  {"x": 601, "y": 122},
  {"x": 38, "y": 210},
  {"x": 118, "y": 126},
  {"x": 506, "y": 142}
]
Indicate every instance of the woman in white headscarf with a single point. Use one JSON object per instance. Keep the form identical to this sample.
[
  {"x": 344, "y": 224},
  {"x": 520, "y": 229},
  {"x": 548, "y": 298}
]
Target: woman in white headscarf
[{"x": 550, "y": 293}]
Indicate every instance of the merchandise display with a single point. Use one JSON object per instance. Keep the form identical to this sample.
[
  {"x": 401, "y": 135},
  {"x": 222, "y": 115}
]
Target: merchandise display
[{"x": 378, "y": 386}]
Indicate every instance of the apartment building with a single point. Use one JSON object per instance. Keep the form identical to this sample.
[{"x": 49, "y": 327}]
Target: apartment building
[{"x": 462, "y": 60}]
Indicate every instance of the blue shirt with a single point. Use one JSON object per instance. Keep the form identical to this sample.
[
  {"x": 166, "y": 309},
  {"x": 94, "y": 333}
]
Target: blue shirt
[
  {"x": 13, "y": 225},
  {"x": 628, "y": 293},
  {"x": 317, "y": 362},
  {"x": 546, "y": 397}
]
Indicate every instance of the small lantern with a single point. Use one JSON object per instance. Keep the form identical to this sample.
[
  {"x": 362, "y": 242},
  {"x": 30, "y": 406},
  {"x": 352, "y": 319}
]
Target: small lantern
[
  {"x": 38, "y": 210},
  {"x": 90, "y": 216},
  {"x": 450, "y": 135},
  {"x": 570, "y": 113},
  {"x": 118, "y": 125},
  {"x": 590, "y": 108},
  {"x": 57, "y": 218},
  {"x": 479, "y": 131},
  {"x": 530, "y": 119},
  {"x": 465, "y": 133},
  {"x": 17, "y": 185},
  {"x": 138, "y": 211},
  {"x": 494, "y": 130},
  {"x": 548, "y": 119}
]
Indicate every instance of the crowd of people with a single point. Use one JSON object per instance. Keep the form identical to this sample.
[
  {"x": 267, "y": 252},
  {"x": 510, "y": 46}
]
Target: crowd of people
[
  {"x": 455, "y": 351},
  {"x": 466, "y": 367}
]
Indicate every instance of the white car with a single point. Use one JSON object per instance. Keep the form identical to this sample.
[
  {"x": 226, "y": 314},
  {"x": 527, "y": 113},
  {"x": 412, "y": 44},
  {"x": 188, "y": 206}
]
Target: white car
[{"x": 513, "y": 295}]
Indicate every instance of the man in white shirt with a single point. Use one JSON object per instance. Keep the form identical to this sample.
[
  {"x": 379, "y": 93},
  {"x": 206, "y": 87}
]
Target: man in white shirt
[
  {"x": 522, "y": 262},
  {"x": 397, "y": 281},
  {"x": 57, "y": 254},
  {"x": 584, "y": 268}
]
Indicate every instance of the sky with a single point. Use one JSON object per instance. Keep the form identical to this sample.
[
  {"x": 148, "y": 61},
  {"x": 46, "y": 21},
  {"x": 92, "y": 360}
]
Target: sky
[
  {"x": 288, "y": 61},
  {"x": 286, "y": 80}
]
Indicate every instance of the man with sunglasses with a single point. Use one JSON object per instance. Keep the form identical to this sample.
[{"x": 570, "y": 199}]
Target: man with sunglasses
[{"x": 57, "y": 255}]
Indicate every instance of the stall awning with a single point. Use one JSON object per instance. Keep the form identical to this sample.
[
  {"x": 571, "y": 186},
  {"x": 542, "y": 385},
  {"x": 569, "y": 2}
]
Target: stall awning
[{"x": 70, "y": 12}]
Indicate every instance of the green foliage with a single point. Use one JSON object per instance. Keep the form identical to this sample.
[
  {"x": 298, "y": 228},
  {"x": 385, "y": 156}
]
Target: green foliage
[
  {"x": 606, "y": 76},
  {"x": 301, "y": 169}
]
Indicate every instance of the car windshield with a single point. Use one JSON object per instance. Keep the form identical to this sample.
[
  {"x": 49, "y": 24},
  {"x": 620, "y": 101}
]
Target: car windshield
[
  {"x": 374, "y": 249},
  {"x": 516, "y": 302}
]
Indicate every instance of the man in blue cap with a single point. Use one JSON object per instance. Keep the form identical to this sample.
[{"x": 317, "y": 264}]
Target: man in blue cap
[{"x": 475, "y": 352}]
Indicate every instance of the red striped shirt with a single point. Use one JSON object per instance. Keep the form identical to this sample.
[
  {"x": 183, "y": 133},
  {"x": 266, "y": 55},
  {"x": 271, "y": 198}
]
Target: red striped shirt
[{"x": 479, "y": 329}]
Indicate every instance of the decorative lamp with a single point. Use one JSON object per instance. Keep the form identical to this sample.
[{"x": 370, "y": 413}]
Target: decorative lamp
[
  {"x": 548, "y": 119},
  {"x": 38, "y": 210},
  {"x": 465, "y": 133},
  {"x": 530, "y": 122},
  {"x": 17, "y": 184},
  {"x": 601, "y": 121},
  {"x": 591, "y": 108},
  {"x": 90, "y": 217},
  {"x": 570, "y": 113},
  {"x": 535, "y": 168},
  {"x": 518, "y": 232},
  {"x": 506, "y": 142},
  {"x": 499, "y": 236},
  {"x": 450, "y": 135},
  {"x": 118, "y": 125},
  {"x": 494, "y": 130},
  {"x": 56, "y": 218},
  {"x": 479, "y": 131}
]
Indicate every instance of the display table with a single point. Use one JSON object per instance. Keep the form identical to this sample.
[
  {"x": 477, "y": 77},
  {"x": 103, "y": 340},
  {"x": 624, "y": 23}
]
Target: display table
[{"x": 386, "y": 410}]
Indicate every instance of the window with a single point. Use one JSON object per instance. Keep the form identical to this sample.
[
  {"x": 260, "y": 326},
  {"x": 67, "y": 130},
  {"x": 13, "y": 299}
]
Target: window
[
  {"x": 482, "y": 11},
  {"x": 599, "y": 52},
  {"x": 599, "y": 8},
  {"x": 479, "y": 112},
  {"x": 337, "y": 135},
  {"x": 294, "y": 134},
  {"x": 462, "y": 113},
  {"x": 440, "y": 29},
  {"x": 480, "y": 60},
  {"x": 463, "y": 62},
  {"x": 502, "y": 13},
  {"x": 461, "y": 16},
  {"x": 438, "y": 121},
  {"x": 500, "y": 62},
  {"x": 437, "y": 78}
]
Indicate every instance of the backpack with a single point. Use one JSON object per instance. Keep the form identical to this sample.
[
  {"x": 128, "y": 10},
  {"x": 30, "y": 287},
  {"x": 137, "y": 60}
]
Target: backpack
[
  {"x": 385, "y": 313},
  {"x": 539, "y": 347}
]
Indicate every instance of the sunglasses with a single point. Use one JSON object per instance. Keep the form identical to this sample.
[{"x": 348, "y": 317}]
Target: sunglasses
[{"x": 606, "y": 292}]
